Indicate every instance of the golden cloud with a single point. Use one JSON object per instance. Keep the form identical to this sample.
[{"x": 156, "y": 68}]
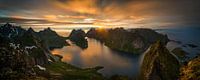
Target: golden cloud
[{"x": 79, "y": 6}]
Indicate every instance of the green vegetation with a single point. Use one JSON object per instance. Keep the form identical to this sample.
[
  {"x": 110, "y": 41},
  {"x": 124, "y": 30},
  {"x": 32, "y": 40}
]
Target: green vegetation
[{"x": 66, "y": 71}]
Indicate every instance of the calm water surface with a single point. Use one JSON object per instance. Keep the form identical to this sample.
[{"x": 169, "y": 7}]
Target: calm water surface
[{"x": 97, "y": 54}]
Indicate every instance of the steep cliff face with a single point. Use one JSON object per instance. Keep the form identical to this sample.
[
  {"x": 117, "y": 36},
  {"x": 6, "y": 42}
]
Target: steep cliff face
[
  {"x": 159, "y": 64},
  {"x": 14, "y": 60},
  {"x": 52, "y": 39},
  {"x": 11, "y": 31},
  {"x": 132, "y": 40},
  {"x": 35, "y": 47},
  {"x": 28, "y": 40},
  {"x": 78, "y": 37},
  {"x": 191, "y": 71},
  {"x": 48, "y": 36}
]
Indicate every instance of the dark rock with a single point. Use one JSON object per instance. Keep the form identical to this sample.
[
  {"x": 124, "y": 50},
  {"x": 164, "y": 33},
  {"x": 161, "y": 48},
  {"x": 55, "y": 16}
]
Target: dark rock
[
  {"x": 180, "y": 53},
  {"x": 159, "y": 64},
  {"x": 11, "y": 31},
  {"x": 78, "y": 37},
  {"x": 52, "y": 39},
  {"x": 131, "y": 41},
  {"x": 14, "y": 61},
  {"x": 35, "y": 47}
]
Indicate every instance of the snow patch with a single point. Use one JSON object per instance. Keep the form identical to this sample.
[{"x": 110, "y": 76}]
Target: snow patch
[
  {"x": 30, "y": 47},
  {"x": 50, "y": 60},
  {"x": 9, "y": 35},
  {"x": 15, "y": 46},
  {"x": 41, "y": 68}
]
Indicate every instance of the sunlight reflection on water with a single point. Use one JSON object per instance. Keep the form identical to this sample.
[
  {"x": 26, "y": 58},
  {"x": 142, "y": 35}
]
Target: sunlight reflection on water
[{"x": 97, "y": 54}]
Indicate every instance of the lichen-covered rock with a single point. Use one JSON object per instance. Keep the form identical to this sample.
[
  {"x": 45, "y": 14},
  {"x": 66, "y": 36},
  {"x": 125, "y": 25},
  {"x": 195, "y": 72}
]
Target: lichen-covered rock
[
  {"x": 191, "y": 71},
  {"x": 78, "y": 37},
  {"x": 131, "y": 41},
  {"x": 159, "y": 64}
]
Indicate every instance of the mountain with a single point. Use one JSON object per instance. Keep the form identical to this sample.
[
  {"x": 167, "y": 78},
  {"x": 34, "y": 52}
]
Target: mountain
[
  {"x": 35, "y": 47},
  {"x": 48, "y": 36},
  {"x": 10, "y": 31},
  {"x": 27, "y": 57},
  {"x": 79, "y": 38},
  {"x": 52, "y": 39},
  {"x": 159, "y": 64},
  {"x": 132, "y": 41}
]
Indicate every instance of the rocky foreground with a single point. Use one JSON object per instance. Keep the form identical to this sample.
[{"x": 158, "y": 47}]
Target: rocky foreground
[
  {"x": 131, "y": 41},
  {"x": 160, "y": 64},
  {"x": 191, "y": 70}
]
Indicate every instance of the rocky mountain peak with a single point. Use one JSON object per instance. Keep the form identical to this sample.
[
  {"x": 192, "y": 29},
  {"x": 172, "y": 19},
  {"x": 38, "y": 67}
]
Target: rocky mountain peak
[
  {"x": 11, "y": 31},
  {"x": 78, "y": 37},
  {"x": 159, "y": 64},
  {"x": 30, "y": 30}
]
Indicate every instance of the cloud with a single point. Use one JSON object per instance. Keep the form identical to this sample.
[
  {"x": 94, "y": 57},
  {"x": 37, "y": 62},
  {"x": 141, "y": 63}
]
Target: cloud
[
  {"x": 140, "y": 12},
  {"x": 36, "y": 22}
]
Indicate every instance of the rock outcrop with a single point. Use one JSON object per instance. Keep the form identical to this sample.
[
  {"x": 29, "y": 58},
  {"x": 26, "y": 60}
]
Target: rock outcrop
[
  {"x": 159, "y": 64},
  {"x": 52, "y": 39},
  {"x": 48, "y": 36},
  {"x": 14, "y": 61},
  {"x": 131, "y": 41},
  {"x": 191, "y": 71},
  {"x": 79, "y": 38},
  {"x": 180, "y": 53},
  {"x": 11, "y": 31},
  {"x": 35, "y": 44},
  {"x": 35, "y": 47}
]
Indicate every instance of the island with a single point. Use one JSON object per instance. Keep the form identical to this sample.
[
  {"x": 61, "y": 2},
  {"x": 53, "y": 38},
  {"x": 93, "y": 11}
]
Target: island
[{"x": 134, "y": 41}]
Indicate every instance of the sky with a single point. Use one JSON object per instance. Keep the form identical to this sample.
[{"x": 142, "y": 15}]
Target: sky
[{"x": 100, "y": 13}]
